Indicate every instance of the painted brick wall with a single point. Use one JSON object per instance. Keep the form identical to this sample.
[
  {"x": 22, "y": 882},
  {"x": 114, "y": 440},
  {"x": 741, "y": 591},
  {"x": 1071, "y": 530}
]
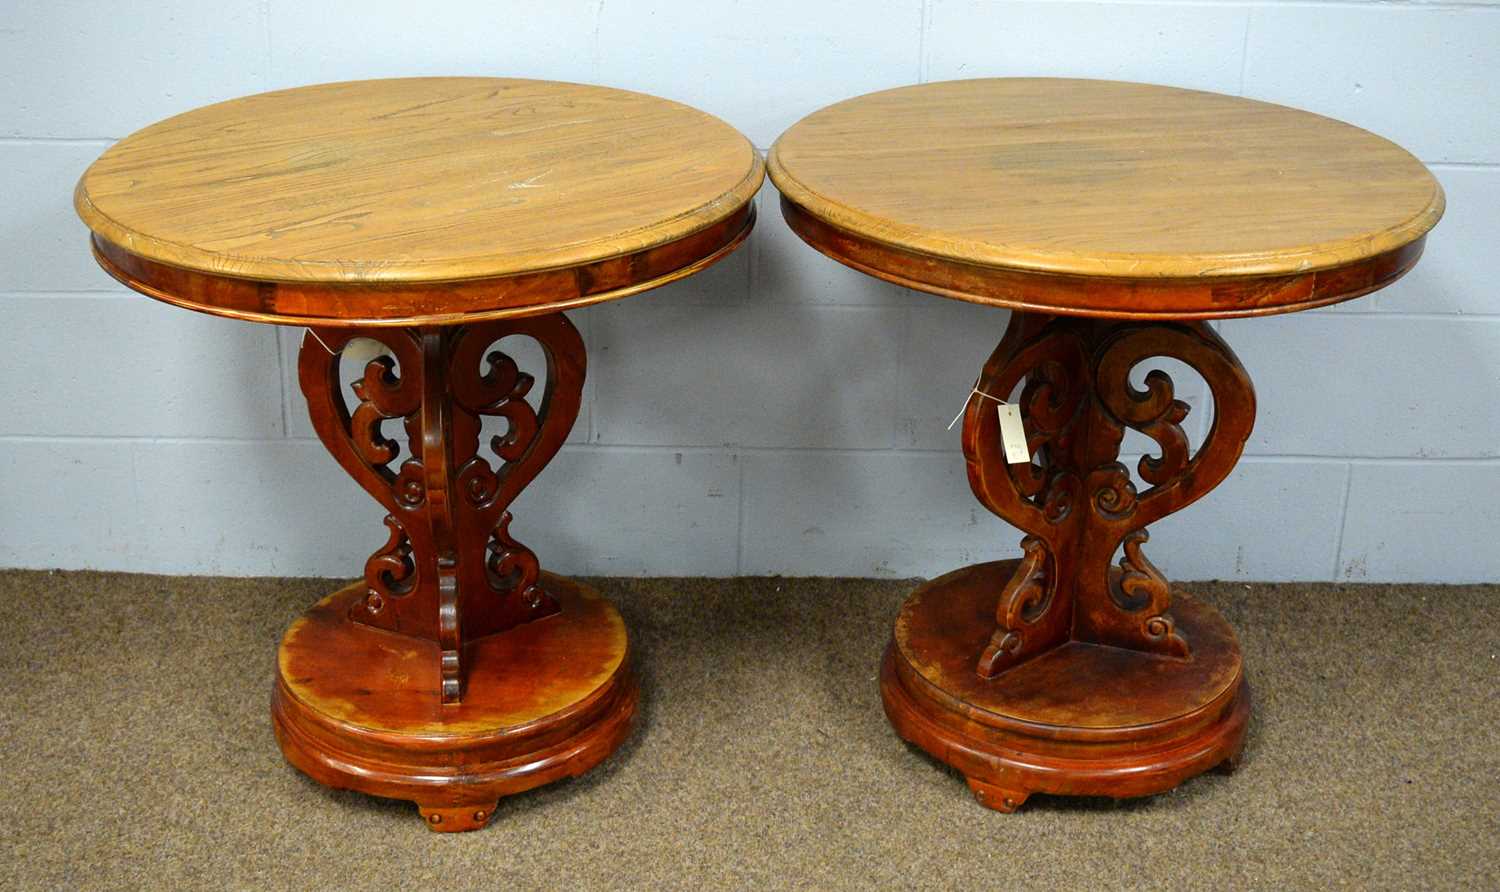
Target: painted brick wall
[{"x": 778, "y": 414}]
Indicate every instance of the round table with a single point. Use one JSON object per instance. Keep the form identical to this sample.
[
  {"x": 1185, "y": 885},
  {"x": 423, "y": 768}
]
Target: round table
[
  {"x": 434, "y": 216},
  {"x": 1111, "y": 219}
]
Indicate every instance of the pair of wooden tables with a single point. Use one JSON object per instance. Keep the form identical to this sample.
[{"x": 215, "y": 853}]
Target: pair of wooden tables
[{"x": 438, "y": 216}]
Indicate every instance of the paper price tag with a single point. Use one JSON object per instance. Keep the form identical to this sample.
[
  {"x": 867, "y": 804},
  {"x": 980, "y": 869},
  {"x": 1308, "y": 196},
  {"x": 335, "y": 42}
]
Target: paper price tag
[
  {"x": 1012, "y": 431},
  {"x": 359, "y": 351},
  {"x": 1013, "y": 434}
]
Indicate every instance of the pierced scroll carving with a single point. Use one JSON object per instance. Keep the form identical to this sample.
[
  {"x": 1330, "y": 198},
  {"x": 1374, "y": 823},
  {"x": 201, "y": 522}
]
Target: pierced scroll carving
[
  {"x": 391, "y": 571},
  {"x": 1076, "y": 503},
  {"x": 1142, "y": 590},
  {"x": 1024, "y": 602},
  {"x": 450, "y": 570},
  {"x": 513, "y": 566}
]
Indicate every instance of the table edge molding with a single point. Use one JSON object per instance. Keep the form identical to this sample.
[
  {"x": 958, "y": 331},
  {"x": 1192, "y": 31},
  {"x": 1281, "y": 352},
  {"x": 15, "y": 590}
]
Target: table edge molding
[
  {"x": 1309, "y": 258},
  {"x": 1114, "y": 297},
  {"x": 465, "y": 300},
  {"x": 417, "y": 273}
]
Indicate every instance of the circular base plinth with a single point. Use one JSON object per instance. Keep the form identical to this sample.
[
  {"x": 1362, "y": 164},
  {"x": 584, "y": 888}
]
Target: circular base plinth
[
  {"x": 358, "y": 708},
  {"x": 1079, "y": 720}
]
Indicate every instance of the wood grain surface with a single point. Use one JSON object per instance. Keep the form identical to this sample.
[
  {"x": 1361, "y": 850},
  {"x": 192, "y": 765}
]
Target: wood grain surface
[
  {"x": 1081, "y": 720},
  {"x": 417, "y": 180},
  {"x": 386, "y": 685},
  {"x": 1102, "y": 178},
  {"x": 356, "y": 707}
]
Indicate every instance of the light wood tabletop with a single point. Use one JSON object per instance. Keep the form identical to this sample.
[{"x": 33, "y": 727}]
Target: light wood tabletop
[
  {"x": 1112, "y": 219},
  {"x": 1102, "y": 178},
  {"x": 438, "y": 218},
  {"x": 417, "y": 180}
]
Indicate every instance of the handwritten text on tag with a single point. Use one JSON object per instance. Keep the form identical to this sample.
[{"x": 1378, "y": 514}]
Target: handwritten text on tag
[{"x": 1013, "y": 434}]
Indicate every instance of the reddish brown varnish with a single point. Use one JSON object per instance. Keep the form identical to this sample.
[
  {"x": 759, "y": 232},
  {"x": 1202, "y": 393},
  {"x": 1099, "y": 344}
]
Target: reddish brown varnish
[
  {"x": 1080, "y": 719},
  {"x": 436, "y": 216},
  {"x": 1060, "y": 673},
  {"x": 1108, "y": 297},
  {"x": 353, "y": 707},
  {"x": 1110, "y": 219},
  {"x": 434, "y": 303},
  {"x": 457, "y": 671}
]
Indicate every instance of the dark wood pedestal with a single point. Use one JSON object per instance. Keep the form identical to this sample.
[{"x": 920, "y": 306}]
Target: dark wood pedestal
[
  {"x": 441, "y": 218},
  {"x": 456, "y": 672},
  {"x": 1114, "y": 221},
  {"x": 1061, "y": 672},
  {"x": 355, "y": 707}
]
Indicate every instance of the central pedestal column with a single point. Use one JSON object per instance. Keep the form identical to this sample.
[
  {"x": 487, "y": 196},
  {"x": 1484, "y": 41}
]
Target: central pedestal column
[
  {"x": 456, "y": 671},
  {"x": 1063, "y": 672}
]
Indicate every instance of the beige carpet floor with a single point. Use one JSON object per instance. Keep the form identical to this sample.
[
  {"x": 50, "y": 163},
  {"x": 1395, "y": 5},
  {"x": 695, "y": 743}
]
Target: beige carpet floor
[{"x": 137, "y": 754}]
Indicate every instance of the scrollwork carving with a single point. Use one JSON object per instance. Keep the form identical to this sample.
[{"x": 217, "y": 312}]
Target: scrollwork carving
[
  {"x": 1114, "y": 494},
  {"x": 380, "y": 397},
  {"x": 1142, "y": 590},
  {"x": 390, "y": 572},
  {"x": 513, "y": 565},
  {"x": 1177, "y": 478},
  {"x": 1035, "y": 496},
  {"x": 449, "y": 570},
  {"x": 1077, "y": 401},
  {"x": 1024, "y": 602}
]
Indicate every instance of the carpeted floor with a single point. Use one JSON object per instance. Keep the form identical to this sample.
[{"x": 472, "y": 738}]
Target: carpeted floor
[{"x": 138, "y": 754}]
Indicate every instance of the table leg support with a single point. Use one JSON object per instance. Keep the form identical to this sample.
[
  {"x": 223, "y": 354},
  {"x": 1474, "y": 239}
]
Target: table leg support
[
  {"x": 1061, "y": 672},
  {"x": 455, "y": 671}
]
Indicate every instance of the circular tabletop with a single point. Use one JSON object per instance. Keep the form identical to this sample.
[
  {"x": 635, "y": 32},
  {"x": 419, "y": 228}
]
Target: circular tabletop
[
  {"x": 353, "y": 199},
  {"x": 1104, "y": 198}
]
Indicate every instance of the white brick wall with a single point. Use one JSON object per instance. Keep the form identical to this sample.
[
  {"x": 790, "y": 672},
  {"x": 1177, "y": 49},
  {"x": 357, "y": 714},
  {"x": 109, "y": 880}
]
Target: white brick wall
[{"x": 778, "y": 414}]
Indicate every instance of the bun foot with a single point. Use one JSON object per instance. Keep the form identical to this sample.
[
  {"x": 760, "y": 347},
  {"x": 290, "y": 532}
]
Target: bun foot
[
  {"x": 1002, "y": 799},
  {"x": 358, "y": 708},
  {"x": 1078, "y": 720},
  {"x": 1232, "y": 763},
  {"x": 457, "y": 818}
]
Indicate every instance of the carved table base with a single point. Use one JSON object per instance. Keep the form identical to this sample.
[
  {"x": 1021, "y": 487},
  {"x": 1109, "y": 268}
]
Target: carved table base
[
  {"x": 1062, "y": 672},
  {"x": 1081, "y": 720},
  {"x": 357, "y": 707},
  {"x": 456, "y": 671}
]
